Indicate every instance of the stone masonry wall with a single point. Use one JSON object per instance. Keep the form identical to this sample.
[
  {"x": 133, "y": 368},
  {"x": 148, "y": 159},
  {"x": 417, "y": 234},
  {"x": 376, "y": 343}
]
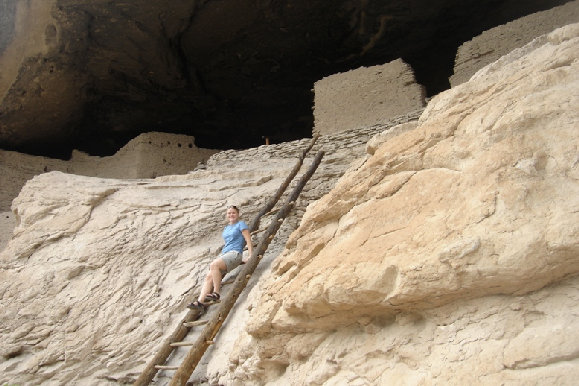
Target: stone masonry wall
[
  {"x": 496, "y": 42},
  {"x": 365, "y": 96},
  {"x": 147, "y": 156}
]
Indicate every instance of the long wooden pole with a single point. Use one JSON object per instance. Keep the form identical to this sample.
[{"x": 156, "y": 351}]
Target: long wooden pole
[
  {"x": 274, "y": 199},
  {"x": 183, "y": 329},
  {"x": 205, "y": 339}
]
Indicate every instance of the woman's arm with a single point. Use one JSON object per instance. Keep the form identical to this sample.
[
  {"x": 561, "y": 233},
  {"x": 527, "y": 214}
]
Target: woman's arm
[{"x": 247, "y": 237}]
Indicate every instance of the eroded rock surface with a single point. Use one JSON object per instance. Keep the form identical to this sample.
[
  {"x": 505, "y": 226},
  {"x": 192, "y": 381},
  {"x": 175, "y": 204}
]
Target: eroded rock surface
[{"x": 451, "y": 255}]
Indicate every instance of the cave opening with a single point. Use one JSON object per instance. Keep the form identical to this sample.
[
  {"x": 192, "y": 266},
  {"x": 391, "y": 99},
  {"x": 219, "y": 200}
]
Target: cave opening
[{"x": 232, "y": 74}]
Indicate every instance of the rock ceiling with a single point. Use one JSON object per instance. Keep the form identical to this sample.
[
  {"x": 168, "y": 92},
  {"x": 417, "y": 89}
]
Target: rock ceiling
[{"x": 228, "y": 72}]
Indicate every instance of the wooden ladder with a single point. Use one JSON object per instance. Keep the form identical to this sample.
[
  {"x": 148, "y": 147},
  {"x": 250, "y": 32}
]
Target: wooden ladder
[{"x": 212, "y": 325}]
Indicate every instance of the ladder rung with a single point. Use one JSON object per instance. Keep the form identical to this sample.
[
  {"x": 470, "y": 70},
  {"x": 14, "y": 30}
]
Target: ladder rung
[
  {"x": 158, "y": 367},
  {"x": 179, "y": 344},
  {"x": 195, "y": 323},
  {"x": 258, "y": 231}
]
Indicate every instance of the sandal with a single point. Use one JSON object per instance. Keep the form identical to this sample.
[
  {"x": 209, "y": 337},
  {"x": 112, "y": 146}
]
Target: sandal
[
  {"x": 197, "y": 305},
  {"x": 212, "y": 297}
]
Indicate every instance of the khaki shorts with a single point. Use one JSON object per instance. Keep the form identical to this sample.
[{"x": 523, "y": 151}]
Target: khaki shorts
[{"x": 231, "y": 259}]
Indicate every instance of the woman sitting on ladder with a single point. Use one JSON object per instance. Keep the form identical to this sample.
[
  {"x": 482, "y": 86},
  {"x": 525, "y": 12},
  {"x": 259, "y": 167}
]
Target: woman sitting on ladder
[{"x": 236, "y": 235}]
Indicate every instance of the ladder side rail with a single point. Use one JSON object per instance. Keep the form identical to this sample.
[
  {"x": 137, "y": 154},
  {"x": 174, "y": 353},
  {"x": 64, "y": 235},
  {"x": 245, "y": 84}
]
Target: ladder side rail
[{"x": 282, "y": 188}]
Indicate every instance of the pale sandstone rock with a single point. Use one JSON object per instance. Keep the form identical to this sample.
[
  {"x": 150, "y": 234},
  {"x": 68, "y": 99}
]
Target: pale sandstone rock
[
  {"x": 380, "y": 138},
  {"x": 451, "y": 255},
  {"x": 343, "y": 151},
  {"x": 161, "y": 233}
]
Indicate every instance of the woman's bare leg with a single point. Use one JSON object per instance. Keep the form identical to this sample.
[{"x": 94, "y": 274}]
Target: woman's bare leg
[
  {"x": 215, "y": 269},
  {"x": 207, "y": 287}
]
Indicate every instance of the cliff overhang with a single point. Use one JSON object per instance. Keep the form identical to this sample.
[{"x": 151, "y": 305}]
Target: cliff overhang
[{"x": 91, "y": 75}]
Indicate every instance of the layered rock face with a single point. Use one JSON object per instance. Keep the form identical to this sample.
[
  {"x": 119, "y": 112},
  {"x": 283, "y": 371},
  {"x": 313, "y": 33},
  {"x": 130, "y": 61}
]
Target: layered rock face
[{"x": 450, "y": 256}]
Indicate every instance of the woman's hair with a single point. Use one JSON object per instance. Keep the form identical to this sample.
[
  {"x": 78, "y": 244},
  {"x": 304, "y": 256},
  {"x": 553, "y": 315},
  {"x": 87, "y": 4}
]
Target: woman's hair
[{"x": 234, "y": 207}]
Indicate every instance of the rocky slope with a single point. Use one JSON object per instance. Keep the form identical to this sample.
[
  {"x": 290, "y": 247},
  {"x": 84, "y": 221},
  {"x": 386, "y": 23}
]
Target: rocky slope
[{"x": 99, "y": 270}]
